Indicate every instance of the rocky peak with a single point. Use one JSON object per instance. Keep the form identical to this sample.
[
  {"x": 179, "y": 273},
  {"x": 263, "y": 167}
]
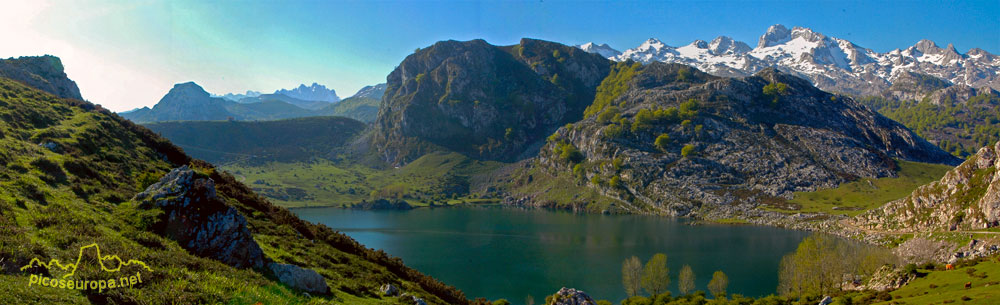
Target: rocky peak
[
  {"x": 482, "y": 100},
  {"x": 776, "y": 34},
  {"x": 651, "y": 44},
  {"x": 314, "y": 92},
  {"x": 372, "y": 92},
  {"x": 604, "y": 50},
  {"x": 45, "y": 73},
  {"x": 701, "y": 44},
  {"x": 726, "y": 45}
]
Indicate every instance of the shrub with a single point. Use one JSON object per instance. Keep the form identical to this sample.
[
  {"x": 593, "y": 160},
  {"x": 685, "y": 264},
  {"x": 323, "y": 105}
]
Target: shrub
[
  {"x": 687, "y": 150},
  {"x": 662, "y": 142},
  {"x": 615, "y": 182},
  {"x": 684, "y": 74}
]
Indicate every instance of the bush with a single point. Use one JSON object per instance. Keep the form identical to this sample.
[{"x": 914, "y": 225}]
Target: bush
[
  {"x": 687, "y": 150},
  {"x": 662, "y": 142},
  {"x": 615, "y": 182}
]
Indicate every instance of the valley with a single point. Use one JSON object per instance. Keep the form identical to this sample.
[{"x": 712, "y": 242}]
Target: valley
[{"x": 804, "y": 169}]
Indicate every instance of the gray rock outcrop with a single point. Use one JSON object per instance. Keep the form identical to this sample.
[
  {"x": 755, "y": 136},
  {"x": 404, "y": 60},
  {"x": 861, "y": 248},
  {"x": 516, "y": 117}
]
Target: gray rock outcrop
[
  {"x": 966, "y": 198},
  {"x": 195, "y": 217},
  {"x": 299, "y": 278},
  {"x": 570, "y": 296},
  {"x": 389, "y": 290},
  {"x": 41, "y": 72},
  {"x": 199, "y": 221},
  {"x": 748, "y": 147}
]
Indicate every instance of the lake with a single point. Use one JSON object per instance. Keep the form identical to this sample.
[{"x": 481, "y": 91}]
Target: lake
[{"x": 496, "y": 252}]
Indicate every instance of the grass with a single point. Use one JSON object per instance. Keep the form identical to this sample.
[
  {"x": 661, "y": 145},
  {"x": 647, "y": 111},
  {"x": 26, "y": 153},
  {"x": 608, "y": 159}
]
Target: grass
[
  {"x": 853, "y": 198},
  {"x": 54, "y": 201},
  {"x": 438, "y": 178},
  {"x": 560, "y": 191},
  {"x": 948, "y": 287}
]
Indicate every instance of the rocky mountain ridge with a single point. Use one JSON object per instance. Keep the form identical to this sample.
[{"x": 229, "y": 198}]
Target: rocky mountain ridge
[
  {"x": 314, "y": 92},
  {"x": 832, "y": 64},
  {"x": 678, "y": 139},
  {"x": 190, "y": 102},
  {"x": 484, "y": 101},
  {"x": 966, "y": 198}
]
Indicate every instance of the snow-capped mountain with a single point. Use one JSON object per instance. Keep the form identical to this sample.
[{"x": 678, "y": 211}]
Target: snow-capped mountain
[
  {"x": 236, "y": 97},
  {"x": 603, "y": 50},
  {"x": 315, "y": 92},
  {"x": 831, "y": 63}
]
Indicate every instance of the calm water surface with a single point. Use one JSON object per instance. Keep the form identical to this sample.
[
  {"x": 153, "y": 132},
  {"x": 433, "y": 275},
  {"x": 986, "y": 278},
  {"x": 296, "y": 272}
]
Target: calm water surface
[{"x": 495, "y": 252}]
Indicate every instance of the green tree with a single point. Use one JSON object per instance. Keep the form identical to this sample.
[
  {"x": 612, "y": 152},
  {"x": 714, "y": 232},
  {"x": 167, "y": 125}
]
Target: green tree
[
  {"x": 662, "y": 142},
  {"x": 685, "y": 280},
  {"x": 683, "y": 74},
  {"x": 631, "y": 275},
  {"x": 718, "y": 284},
  {"x": 656, "y": 275},
  {"x": 615, "y": 182},
  {"x": 687, "y": 150}
]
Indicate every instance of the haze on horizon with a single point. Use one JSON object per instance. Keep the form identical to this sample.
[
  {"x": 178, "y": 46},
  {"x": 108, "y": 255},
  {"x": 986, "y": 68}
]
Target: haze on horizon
[{"x": 126, "y": 55}]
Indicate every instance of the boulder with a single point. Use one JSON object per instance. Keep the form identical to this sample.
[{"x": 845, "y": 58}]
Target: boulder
[
  {"x": 570, "y": 296},
  {"x": 299, "y": 278},
  {"x": 826, "y": 300},
  {"x": 199, "y": 221},
  {"x": 389, "y": 290}
]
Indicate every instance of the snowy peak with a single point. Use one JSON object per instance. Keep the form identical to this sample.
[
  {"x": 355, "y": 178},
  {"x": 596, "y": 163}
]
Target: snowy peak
[
  {"x": 725, "y": 45},
  {"x": 775, "y": 34},
  {"x": 831, "y": 63},
  {"x": 603, "y": 49},
  {"x": 652, "y": 44},
  {"x": 314, "y": 92}
]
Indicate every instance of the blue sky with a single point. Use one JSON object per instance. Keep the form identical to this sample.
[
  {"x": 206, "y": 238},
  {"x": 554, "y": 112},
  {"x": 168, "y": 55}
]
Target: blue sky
[{"x": 128, "y": 54}]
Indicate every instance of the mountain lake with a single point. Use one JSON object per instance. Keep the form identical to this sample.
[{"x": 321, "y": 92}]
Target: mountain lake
[{"x": 496, "y": 252}]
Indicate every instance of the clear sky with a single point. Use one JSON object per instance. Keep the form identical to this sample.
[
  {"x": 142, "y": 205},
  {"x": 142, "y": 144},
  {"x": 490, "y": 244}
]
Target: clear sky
[{"x": 127, "y": 54}]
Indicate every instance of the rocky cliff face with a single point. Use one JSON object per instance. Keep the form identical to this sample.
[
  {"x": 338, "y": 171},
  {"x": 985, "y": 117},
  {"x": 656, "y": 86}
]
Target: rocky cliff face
[
  {"x": 483, "y": 101},
  {"x": 966, "y": 198},
  {"x": 42, "y": 72},
  {"x": 677, "y": 139}
]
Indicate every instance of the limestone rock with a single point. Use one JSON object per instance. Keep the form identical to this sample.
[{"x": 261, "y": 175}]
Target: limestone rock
[
  {"x": 199, "y": 221},
  {"x": 570, "y": 296},
  {"x": 389, "y": 290},
  {"x": 966, "y": 198},
  {"x": 299, "y": 278}
]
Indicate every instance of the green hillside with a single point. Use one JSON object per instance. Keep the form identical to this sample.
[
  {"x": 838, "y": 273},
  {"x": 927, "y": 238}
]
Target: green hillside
[
  {"x": 960, "y": 128},
  {"x": 75, "y": 189},
  {"x": 363, "y": 109},
  {"x": 290, "y": 140}
]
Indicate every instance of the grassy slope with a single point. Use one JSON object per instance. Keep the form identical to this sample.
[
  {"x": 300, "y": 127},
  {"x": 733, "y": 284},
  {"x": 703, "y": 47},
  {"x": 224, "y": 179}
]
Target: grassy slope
[
  {"x": 52, "y": 203},
  {"x": 327, "y": 183},
  {"x": 359, "y": 108},
  {"x": 948, "y": 287},
  {"x": 222, "y": 142},
  {"x": 855, "y": 197}
]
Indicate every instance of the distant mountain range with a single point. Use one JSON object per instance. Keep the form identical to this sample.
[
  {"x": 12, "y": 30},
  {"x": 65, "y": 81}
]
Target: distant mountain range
[
  {"x": 190, "y": 102},
  {"x": 830, "y": 63}
]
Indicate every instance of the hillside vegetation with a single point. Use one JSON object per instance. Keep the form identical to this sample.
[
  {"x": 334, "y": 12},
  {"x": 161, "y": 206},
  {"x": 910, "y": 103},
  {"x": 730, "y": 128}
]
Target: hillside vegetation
[
  {"x": 254, "y": 143},
  {"x": 958, "y": 127},
  {"x": 68, "y": 174}
]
